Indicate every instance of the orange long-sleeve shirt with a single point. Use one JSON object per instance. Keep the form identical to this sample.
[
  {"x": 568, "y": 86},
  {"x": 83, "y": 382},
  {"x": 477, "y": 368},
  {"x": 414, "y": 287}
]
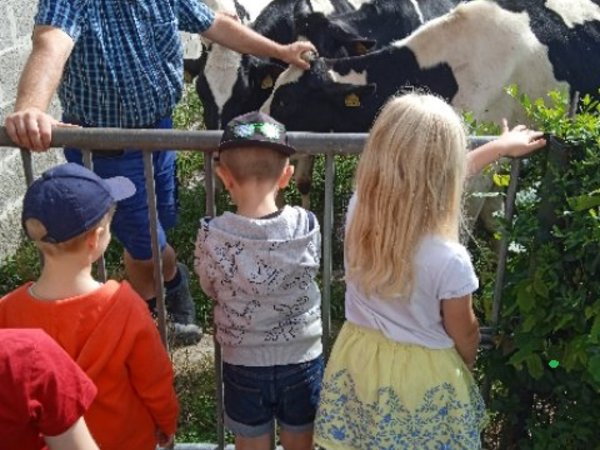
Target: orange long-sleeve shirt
[{"x": 112, "y": 337}]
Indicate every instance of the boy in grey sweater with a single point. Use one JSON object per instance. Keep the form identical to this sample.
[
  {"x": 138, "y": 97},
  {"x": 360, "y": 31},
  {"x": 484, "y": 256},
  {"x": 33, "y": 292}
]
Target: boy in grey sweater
[{"x": 259, "y": 266}]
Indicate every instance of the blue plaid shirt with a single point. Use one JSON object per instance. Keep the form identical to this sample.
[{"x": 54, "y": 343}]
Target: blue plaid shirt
[{"x": 126, "y": 69}]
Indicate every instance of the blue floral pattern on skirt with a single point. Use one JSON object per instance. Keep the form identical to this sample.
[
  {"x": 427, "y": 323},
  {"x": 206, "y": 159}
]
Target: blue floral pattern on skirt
[{"x": 440, "y": 422}]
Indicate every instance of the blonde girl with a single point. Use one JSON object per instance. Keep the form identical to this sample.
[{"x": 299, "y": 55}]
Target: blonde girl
[{"x": 399, "y": 373}]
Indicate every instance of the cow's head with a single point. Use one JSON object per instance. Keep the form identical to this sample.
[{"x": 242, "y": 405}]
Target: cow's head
[
  {"x": 227, "y": 93},
  {"x": 333, "y": 37},
  {"x": 313, "y": 100}
]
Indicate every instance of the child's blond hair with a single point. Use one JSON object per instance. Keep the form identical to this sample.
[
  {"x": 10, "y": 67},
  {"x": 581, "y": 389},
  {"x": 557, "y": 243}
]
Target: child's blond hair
[
  {"x": 254, "y": 163},
  {"x": 409, "y": 184}
]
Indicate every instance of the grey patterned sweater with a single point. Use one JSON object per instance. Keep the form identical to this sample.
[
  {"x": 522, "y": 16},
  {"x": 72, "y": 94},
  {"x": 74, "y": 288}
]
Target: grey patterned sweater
[{"x": 261, "y": 275}]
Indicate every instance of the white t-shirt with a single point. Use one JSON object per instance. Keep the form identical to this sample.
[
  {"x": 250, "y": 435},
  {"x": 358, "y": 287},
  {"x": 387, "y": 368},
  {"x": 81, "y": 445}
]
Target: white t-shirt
[{"x": 443, "y": 270}]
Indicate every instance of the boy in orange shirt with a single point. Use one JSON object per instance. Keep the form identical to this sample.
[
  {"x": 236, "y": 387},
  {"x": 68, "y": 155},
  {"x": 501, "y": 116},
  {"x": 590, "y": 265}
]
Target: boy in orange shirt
[{"x": 106, "y": 328}]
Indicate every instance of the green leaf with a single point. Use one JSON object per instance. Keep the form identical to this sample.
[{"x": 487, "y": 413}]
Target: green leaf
[
  {"x": 592, "y": 310},
  {"x": 525, "y": 299},
  {"x": 539, "y": 285},
  {"x": 563, "y": 321},
  {"x": 535, "y": 366},
  {"x": 583, "y": 202},
  {"x": 530, "y": 322},
  {"x": 594, "y": 367},
  {"x": 501, "y": 180},
  {"x": 595, "y": 331}
]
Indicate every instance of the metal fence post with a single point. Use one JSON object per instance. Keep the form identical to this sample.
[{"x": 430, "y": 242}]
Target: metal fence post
[
  {"x": 327, "y": 249},
  {"x": 156, "y": 251}
]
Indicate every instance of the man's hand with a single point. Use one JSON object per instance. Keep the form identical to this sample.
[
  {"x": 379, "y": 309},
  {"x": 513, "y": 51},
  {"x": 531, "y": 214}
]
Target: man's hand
[
  {"x": 236, "y": 36},
  {"x": 296, "y": 53},
  {"x": 31, "y": 128}
]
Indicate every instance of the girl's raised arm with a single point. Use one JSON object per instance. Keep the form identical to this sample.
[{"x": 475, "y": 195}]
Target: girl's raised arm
[{"x": 512, "y": 143}]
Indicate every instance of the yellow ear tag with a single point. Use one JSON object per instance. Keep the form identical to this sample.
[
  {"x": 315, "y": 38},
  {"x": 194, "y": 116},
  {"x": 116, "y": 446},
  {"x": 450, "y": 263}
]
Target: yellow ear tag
[
  {"x": 361, "y": 49},
  {"x": 267, "y": 82},
  {"x": 352, "y": 101}
]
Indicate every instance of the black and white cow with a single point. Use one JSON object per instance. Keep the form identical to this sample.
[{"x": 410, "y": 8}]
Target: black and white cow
[
  {"x": 374, "y": 25},
  {"x": 230, "y": 84},
  {"x": 467, "y": 56}
]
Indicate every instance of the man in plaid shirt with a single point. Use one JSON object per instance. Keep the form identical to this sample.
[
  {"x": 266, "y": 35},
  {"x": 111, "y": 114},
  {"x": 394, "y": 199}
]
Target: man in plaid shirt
[{"x": 119, "y": 63}]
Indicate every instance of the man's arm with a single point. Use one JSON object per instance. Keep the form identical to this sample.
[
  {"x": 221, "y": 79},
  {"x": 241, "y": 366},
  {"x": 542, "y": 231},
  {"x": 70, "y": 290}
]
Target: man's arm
[
  {"x": 30, "y": 126},
  {"x": 236, "y": 36}
]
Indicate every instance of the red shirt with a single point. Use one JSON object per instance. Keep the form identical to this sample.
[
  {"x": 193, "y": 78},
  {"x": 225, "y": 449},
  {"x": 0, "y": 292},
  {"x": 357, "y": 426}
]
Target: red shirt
[
  {"x": 110, "y": 334},
  {"x": 42, "y": 391}
]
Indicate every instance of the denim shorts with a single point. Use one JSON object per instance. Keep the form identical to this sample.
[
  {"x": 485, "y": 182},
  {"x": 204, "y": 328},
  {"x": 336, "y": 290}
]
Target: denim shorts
[
  {"x": 131, "y": 224},
  {"x": 255, "y": 396}
]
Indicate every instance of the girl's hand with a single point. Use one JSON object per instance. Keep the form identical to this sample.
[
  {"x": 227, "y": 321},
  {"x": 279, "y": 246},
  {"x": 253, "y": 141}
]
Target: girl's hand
[{"x": 519, "y": 141}]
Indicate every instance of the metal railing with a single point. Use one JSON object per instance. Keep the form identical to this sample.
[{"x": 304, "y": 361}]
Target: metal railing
[{"x": 148, "y": 140}]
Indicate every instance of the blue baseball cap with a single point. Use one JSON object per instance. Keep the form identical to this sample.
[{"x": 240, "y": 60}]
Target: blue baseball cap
[{"x": 69, "y": 200}]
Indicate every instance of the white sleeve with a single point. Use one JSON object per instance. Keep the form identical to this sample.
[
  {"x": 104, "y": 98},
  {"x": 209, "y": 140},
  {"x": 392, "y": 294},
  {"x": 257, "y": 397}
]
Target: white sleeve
[{"x": 458, "y": 277}]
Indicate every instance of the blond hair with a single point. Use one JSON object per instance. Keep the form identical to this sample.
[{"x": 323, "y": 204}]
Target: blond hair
[
  {"x": 409, "y": 183},
  {"x": 36, "y": 230},
  {"x": 258, "y": 163}
]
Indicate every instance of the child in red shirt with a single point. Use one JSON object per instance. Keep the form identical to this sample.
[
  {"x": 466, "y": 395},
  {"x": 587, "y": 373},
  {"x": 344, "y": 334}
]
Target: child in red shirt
[
  {"x": 43, "y": 394},
  {"x": 106, "y": 328}
]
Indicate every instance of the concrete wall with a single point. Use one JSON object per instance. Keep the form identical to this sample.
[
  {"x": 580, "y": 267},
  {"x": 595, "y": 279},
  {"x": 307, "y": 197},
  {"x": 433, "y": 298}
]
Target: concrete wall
[{"x": 16, "y": 21}]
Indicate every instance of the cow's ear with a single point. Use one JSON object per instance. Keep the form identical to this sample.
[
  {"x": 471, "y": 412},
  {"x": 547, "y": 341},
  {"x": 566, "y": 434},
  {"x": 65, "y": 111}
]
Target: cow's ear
[
  {"x": 351, "y": 95},
  {"x": 302, "y": 9},
  {"x": 360, "y": 46},
  {"x": 265, "y": 76}
]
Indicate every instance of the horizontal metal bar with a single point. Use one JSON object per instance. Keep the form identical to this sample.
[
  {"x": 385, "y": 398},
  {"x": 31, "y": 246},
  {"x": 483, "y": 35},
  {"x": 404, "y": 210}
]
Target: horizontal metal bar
[{"x": 150, "y": 139}]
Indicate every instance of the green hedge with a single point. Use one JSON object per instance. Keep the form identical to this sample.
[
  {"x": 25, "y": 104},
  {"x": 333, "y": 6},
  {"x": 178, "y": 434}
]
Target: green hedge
[{"x": 546, "y": 364}]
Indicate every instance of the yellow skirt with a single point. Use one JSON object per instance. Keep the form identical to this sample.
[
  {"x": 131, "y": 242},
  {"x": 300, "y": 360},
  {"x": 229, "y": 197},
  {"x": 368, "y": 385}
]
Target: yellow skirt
[{"x": 381, "y": 394}]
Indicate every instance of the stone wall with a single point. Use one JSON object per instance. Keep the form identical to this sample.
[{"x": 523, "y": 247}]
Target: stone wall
[{"x": 16, "y": 21}]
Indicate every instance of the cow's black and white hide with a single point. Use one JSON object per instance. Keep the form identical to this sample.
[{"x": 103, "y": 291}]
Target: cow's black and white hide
[
  {"x": 374, "y": 25},
  {"x": 468, "y": 56},
  {"x": 231, "y": 84}
]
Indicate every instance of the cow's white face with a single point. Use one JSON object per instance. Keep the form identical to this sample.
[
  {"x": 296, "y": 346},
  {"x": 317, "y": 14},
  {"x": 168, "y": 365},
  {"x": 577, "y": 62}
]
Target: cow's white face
[{"x": 574, "y": 12}]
